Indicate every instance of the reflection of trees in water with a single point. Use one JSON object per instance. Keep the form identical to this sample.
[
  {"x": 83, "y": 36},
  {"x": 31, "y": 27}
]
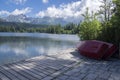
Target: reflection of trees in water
[
  {"x": 31, "y": 41},
  {"x": 27, "y": 47},
  {"x": 35, "y": 45}
]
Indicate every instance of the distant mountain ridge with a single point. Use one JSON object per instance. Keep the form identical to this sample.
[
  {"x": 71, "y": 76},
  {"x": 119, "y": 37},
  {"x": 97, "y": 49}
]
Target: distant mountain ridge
[
  {"x": 45, "y": 20},
  {"x": 2, "y": 20},
  {"x": 17, "y": 18}
]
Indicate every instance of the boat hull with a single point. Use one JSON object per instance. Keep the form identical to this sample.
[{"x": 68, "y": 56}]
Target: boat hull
[{"x": 96, "y": 49}]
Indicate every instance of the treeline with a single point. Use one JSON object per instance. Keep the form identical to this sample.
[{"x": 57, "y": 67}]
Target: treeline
[
  {"x": 18, "y": 27},
  {"x": 70, "y": 28}
]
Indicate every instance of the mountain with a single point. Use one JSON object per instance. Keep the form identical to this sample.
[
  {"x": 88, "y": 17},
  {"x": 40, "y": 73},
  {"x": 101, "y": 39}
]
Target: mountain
[
  {"x": 45, "y": 20},
  {"x": 2, "y": 20},
  {"x": 48, "y": 20},
  {"x": 17, "y": 18}
]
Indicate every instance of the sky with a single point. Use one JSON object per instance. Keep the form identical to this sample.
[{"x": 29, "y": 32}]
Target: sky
[{"x": 67, "y": 9}]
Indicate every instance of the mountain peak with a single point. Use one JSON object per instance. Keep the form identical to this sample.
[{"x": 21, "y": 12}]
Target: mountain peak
[
  {"x": 17, "y": 18},
  {"x": 45, "y": 20}
]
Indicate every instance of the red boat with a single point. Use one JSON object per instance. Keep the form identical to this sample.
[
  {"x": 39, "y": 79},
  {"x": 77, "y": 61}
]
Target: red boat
[
  {"x": 96, "y": 49},
  {"x": 110, "y": 51}
]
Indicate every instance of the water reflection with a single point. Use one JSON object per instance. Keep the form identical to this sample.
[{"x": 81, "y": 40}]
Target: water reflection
[{"x": 15, "y": 48}]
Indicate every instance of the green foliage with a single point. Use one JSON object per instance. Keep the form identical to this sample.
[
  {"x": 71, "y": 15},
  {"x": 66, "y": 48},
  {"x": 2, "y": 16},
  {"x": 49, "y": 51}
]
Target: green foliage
[
  {"x": 69, "y": 26},
  {"x": 111, "y": 29},
  {"x": 116, "y": 22},
  {"x": 107, "y": 32},
  {"x": 90, "y": 28}
]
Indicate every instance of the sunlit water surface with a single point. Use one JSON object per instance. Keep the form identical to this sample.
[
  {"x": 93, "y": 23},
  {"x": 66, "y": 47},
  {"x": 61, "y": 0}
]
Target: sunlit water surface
[{"x": 19, "y": 46}]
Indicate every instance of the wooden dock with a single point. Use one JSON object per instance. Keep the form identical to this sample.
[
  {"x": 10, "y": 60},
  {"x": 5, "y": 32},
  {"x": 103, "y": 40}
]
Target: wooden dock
[{"x": 67, "y": 65}]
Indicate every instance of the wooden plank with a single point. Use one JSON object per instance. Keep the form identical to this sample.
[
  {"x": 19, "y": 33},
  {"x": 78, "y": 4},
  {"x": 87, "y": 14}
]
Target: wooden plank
[
  {"x": 54, "y": 65},
  {"x": 15, "y": 73},
  {"x": 34, "y": 70},
  {"x": 42, "y": 72},
  {"x": 47, "y": 70},
  {"x": 36, "y": 58},
  {"x": 28, "y": 72},
  {"x": 3, "y": 77},
  {"x": 41, "y": 69},
  {"x": 23, "y": 72},
  {"x": 41, "y": 66},
  {"x": 31, "y": 70},
  {"x": 44, "y": 66},
  {"x": 35, "y": 64},
  {"x": 11, "y": 76},
  {"x": 38, "y": 68}
]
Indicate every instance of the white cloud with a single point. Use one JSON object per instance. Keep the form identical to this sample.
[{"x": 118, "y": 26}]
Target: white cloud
[
  {"x": 71, "y": 11},
  {"x": 45, "y": 1},
  {"x": 22, "y": 11},
  {"x": 16, "y": 12},
  {"x": 3, "y": 13},
  {"x": 18, "y": 1}
]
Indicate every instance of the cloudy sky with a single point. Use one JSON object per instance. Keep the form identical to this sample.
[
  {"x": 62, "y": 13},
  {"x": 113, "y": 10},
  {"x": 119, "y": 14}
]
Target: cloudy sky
[{"x": 67, "y": 9}]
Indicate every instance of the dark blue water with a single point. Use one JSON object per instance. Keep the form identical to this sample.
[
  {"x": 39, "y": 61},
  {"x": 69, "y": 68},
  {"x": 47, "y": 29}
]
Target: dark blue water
[{"x": 19, "y": 46}]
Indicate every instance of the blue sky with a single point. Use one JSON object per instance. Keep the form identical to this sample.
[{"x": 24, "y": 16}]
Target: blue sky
[
  {"x": 35, "y": 5},
  {"x": 67, "y": 9}
]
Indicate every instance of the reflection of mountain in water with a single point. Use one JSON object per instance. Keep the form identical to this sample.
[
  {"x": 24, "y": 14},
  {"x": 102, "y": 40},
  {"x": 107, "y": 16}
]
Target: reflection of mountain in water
[{"x": 17, "y": 48}]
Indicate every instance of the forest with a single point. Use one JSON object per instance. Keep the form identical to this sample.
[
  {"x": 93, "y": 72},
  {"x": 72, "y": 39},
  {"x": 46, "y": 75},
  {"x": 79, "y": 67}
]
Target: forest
[{"x": 69, "y": 28}]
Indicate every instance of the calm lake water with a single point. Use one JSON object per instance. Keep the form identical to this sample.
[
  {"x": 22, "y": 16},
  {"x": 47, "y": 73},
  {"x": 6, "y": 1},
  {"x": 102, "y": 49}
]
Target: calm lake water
[{"x": 19, "y": 46}]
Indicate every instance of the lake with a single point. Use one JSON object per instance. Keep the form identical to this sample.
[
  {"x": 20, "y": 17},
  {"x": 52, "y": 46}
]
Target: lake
[{"x": 19, "y": 46}]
